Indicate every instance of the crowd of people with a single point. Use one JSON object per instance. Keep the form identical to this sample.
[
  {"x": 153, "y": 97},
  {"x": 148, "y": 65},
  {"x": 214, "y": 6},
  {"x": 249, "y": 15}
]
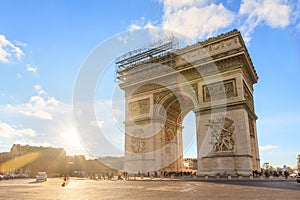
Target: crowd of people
[
  {"x": 268, "y": 173},
  {"x": 169, "y": 174}
]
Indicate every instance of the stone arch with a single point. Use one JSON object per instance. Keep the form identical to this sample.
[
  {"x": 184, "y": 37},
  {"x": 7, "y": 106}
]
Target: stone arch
[
  {"x": 187, "y": 101},
  {"x": 226, "y": 141}
]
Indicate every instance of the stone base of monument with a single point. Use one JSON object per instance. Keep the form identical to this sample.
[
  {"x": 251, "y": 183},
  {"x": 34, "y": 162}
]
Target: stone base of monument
[
  {"x": 140, "y": 163},
  {"x": 224, "y": 164}
]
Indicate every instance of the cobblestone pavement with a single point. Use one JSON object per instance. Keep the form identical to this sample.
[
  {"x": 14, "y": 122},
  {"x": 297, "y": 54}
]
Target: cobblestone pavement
[{"x": 148, "y": 189}]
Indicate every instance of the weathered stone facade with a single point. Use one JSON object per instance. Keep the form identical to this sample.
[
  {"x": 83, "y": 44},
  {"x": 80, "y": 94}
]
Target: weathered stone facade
[{"x": 214, "y": 79}]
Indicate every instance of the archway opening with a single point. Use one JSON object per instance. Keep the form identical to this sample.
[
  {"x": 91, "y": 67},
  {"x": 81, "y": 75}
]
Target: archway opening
[{"x": 189, "y": 142}]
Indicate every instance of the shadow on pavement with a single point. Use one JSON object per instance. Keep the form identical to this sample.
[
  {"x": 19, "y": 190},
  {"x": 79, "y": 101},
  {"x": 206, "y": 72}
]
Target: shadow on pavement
[
  {"x": 35, "y": 182},
  {"x": 287, "y": 185}
]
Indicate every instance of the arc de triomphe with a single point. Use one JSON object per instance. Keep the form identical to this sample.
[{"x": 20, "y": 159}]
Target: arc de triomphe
[{"x": 214, "y": 79}]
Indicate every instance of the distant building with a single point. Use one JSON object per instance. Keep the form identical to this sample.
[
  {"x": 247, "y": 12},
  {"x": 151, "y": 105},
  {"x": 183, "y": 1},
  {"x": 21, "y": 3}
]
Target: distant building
[
  {"x": 30, "y": 160},
  {"x": 4, "y": 157},
  {"x": 54, "y": 161},
  {"x": 19, "y": 150},
  {"x": 190, "y": 163}
]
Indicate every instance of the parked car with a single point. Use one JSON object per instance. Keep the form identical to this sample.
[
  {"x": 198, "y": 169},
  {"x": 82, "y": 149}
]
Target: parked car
[
  {"x": 1, "y": 177},
  {"x": 21, "y": 176},
  {"x": 56, "y": 175},
  {"x": 298, "y": 178},
  {"x": 8, "y": 176},
  {"x": 293, "y": 175},
  {"x": 41, "y": 176}
]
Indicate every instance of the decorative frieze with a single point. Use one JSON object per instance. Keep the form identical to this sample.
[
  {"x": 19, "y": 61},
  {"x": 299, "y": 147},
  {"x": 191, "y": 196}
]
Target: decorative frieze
[
  {"x": 215, "y": 91},
  {"x": 139, "y": 107},
  {"x": 191, "y": 74},
  {"x": 222, "y": 46},
  {"x": 144, "y": 88}
]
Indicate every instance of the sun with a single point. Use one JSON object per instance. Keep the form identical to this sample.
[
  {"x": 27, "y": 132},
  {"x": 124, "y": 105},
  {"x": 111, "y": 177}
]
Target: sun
[{"x": 71, "y": 139}]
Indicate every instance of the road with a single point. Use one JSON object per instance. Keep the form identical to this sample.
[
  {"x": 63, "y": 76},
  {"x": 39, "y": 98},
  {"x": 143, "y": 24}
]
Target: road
[{"x": 166, "y": 189}]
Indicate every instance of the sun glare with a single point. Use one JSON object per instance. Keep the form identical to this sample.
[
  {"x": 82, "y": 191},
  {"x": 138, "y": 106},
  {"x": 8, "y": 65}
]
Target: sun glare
[{"x": 71, "y": 139}]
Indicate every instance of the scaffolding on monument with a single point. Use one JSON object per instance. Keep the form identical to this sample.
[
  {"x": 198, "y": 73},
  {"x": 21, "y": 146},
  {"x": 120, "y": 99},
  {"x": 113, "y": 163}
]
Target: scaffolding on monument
[{"x": 131, "y": 59}]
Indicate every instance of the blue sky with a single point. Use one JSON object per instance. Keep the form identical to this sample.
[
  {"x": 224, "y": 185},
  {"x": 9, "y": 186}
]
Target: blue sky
[{"x": 44, "y": 43}]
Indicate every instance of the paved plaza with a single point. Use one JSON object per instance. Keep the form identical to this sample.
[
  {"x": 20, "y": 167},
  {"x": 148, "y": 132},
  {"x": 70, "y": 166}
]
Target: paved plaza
[{"x": 148, "y": 189}]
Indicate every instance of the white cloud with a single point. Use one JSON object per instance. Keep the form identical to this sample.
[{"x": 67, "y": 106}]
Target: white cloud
[
  {"x": 8, "y": 131},
  {"x": 175, "y": 5},
  {"x": 196, "y": 19},
  {"x": 31, "y": 68},
  {"x": 38, "y": 106},
  {"x": 296, "y": 15},
  {"x": 57, "y": 128},
  {"x": 200, "y": 19},
  {"x": 18, "y": 43},
  {"x": 274, "y": 13},
  {"x": 133, "y": 27},
  {"x": 39, "y": 90},
  {"x": 60, "y": 130},
  {"x": 153, "y": 29},
  {"x": 267, "y": 147},
  {"x": 141, "y": 24},
  {"x": 11, "y": 97},
  {"x": 8, "y": 50}
]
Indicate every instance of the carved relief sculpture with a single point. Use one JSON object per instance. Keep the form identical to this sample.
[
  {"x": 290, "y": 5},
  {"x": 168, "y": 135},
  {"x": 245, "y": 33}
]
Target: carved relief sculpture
[
  {"x": 222, "y": 135},
  {"x": 169, "y": 134},
  {"x": 138, "y": 145}
]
